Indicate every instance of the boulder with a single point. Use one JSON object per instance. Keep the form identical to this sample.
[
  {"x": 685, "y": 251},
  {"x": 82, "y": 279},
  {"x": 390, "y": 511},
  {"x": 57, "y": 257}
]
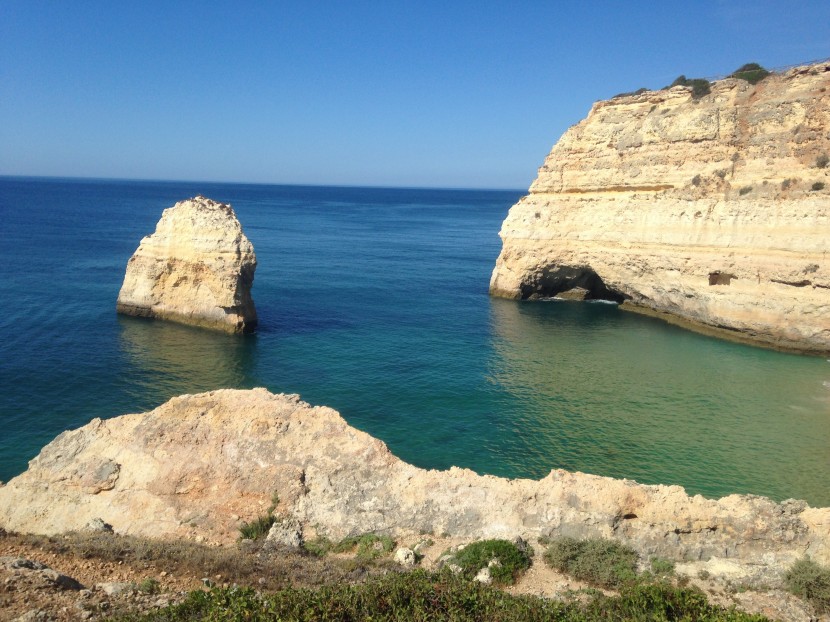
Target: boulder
[
  {"x": 405, "y": 557},
  {"x": 286, "y": 533}
]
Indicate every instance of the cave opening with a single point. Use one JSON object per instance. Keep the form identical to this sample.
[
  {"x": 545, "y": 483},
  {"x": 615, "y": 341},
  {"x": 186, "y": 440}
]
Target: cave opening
[{"x": 574, "y": 282}]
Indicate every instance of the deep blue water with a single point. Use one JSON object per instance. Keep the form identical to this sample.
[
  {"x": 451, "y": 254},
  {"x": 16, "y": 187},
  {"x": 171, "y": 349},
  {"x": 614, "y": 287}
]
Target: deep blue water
[{"x": 374, "y": 301}]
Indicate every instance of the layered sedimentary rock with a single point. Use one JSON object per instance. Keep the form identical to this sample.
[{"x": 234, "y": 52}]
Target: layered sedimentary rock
[
  {"x": 714, "y": 210},
  {"x": 197, "y": 268},
  {"x": 200, "y": 464}
]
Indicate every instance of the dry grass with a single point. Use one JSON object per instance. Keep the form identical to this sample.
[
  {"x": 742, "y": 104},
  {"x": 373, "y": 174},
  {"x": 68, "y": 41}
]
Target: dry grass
[{"x": 250, "y": 563}]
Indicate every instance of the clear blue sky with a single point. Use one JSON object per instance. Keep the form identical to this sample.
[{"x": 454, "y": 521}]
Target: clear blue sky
[{"x": 441, "y": 94}]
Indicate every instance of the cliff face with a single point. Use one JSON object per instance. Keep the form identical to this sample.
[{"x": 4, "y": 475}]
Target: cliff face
[
  {"x": 200, "y": 464},
  {"x": 197, "y": 268},
  {"x": 715, "y": 210}
]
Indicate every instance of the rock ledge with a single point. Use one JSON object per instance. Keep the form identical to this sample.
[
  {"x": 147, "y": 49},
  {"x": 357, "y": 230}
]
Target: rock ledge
[{"x": 200, "y": 465}]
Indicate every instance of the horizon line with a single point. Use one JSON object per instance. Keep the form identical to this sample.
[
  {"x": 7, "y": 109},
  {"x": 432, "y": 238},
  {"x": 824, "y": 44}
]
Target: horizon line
[{"x": 254, "y": 183}]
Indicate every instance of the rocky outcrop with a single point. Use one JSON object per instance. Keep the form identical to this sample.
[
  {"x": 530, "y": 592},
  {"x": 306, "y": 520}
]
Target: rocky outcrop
[
  {"x": 200, "y": 465},
  {"x": 197, "y": 268},
  {"x": 712, "y": 210}
]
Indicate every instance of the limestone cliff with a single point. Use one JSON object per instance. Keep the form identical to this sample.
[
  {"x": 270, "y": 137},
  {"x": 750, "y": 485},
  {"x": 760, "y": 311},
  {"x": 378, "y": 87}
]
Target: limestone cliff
[
  {"x": 197, "y": 268},
  {"x": 200, "y": 464},
  {"x": 714, "y": 210}
]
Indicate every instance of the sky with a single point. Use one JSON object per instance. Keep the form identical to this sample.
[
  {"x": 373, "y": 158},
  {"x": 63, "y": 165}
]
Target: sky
[{"x": 382, "y": 93}]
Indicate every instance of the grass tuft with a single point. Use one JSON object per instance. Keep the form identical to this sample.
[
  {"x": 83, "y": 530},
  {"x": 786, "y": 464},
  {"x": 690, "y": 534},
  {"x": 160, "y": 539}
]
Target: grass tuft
[
  {"x": 257, "y": 528},
  {"x": 319, "y": 547},
  {"x": 369, "y": 546}
]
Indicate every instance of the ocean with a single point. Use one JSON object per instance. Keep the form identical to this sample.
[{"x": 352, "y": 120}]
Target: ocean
[{"x": 374, "y": 301}]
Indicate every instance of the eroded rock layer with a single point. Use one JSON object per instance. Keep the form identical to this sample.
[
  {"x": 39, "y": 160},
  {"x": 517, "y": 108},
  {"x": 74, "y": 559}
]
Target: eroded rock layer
[
  {"x": 197, "y": 268},
  {"x": 199, "y": 465},
  {"x": 715, "y": 210}
]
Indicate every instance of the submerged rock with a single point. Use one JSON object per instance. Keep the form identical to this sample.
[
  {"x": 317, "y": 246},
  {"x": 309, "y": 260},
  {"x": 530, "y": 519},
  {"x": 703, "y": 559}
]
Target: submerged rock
[
  {"x": 712, "y": 212},
  {"x": 197, "y": 268}
]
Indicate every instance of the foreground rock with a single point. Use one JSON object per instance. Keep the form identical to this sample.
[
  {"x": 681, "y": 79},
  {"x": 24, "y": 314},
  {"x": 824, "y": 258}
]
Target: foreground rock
[
  {"x": 197, "y": 268},
  {"x": 713, "y": 211},
  {"x": 200, "y": 465}
]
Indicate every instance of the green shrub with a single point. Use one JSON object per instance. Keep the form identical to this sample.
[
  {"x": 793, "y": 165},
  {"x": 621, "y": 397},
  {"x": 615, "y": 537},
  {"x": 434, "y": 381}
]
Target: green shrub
[
  {"x": 603, "y": 563},
  {"x": 318, "y": 547},
  {"x": 257, "y": 528},
  {"x": 700, "y": 86},
  {"x": 369, "y": 546},
  {"x": 422, "y": 596},
  {"x": 661, "y": 601},
  {"x": 148, "y": 586},
  {"x": 661, "y": 567},
  {"x": 513, "y": 561},
  {"x": 745, "y": 190},
  {"x": 751, "y": 72},
  {"x": 639, "y": 91},
  {"x": 819, "y": 185},
  {"x": 822, "y": 161},
  {"x": 810, "y": 581}
]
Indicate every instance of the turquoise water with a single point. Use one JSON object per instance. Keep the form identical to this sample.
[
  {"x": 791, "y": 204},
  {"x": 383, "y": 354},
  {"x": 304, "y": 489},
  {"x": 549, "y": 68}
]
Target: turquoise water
[{"x": 374, "y": 301}]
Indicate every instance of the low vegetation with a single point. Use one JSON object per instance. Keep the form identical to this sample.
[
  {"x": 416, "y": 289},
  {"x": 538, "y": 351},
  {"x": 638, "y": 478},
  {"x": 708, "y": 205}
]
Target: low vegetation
[
  {"x": 505, "y": 560},
  {"x": 661, "y": 567},
  {"x": 751, "y": 72},
  {"x": 699, "y": 86},
  {"x": 369, "y": 546},
  {"x": 319, "y": 547},
  {"x": 306, "y": 587},
  {"x": 822, "y": 161},
  {"x": 257, "y": 528},
  {"x": 148, "y": 586},
  {"x": 810, "y": 581},
  {"x": 603, "y": 563},
  {"x": 262, "y": 525},
  {"x": 819, "y": 185},
  {"x": 639, "y": 91},
  {"x": 419, "y": 595}
]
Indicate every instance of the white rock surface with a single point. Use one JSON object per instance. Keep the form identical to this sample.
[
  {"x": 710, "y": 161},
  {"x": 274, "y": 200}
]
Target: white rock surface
[
  {"x": 197, "y": 268},
  {"x": 405, "y": 557},
  {"x": 705, "y": 211}
]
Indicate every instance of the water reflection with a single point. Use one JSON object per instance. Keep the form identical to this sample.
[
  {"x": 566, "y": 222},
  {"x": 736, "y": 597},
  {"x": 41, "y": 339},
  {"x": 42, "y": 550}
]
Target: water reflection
[
  {"x": 609, "y": 392},
  {"x": 164, "y": 359}
]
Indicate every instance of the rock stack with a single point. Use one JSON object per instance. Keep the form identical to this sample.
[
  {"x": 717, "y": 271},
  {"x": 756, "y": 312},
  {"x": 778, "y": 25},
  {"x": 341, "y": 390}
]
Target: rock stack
[{"x": 197, "y": 268}]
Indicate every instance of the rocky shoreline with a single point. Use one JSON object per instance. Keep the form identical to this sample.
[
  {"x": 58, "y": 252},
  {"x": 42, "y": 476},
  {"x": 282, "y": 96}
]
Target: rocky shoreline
[{"x": 199, "y": 466}]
